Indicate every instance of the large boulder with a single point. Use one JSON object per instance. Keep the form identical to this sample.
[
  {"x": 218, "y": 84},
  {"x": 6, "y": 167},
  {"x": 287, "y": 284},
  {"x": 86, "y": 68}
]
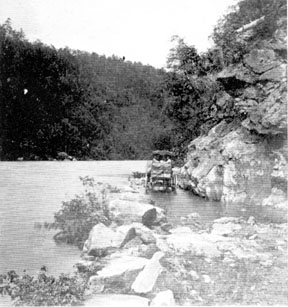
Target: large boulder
[
  {"x": 260, "y": 61},
  {"x": 239, "y": 75},
  {"x": 183, "y": 239},
  {"x": 146, "y": 279},
  {"x": 126, "y": 212},
  {"x": 119, "y": 264},
  {"x": 277, "y": 199},
  {"x": 103, "y": 240},
  {"x": 225, "y": 229},
  {"x": 138, "y": 230},
  {"x": 118, "y": 273},
  {"x": 233, "y": 166},
  {"x": 149, "y": 217}
]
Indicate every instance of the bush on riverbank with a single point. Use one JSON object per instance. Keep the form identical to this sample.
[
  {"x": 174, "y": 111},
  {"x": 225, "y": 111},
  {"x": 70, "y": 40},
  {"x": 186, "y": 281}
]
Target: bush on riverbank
[
  {"x": 43, "y": 290},
  {"x": 78, "y": 216}
]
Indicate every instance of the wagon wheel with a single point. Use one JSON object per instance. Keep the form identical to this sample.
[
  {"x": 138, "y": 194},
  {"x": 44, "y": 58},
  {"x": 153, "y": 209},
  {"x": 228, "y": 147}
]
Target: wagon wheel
[
  {"x": 146, "y": 185},
  {"x": 173, "y": 183}
]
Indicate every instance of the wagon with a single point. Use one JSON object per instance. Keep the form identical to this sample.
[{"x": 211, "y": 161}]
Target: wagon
[{"x": 159, "y": 174}]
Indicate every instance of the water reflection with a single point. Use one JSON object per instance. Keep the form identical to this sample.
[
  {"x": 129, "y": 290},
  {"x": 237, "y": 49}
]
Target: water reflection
[{"x": 182, "y": 203}]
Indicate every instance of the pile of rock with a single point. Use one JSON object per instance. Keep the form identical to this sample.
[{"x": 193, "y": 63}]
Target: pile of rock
[
  {"x": 124, "y": 258},
  {"x": 137, "y": 261},
  {"x": 242, "y": 160}
]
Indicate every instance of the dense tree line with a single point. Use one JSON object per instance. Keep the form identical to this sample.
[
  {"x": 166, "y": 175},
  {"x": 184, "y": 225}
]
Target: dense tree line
[
  {"x": 89, "y": 106},
  {"x": 132, "y": 95},
  {"x": 40, "y": 92}
]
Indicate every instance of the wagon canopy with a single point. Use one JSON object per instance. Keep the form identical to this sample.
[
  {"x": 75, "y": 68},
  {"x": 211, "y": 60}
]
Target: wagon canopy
[{"x": 163, "y": 153}]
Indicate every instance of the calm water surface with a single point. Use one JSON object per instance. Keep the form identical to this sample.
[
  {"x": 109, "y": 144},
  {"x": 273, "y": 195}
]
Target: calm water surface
[{"x": 31, "y": 192}]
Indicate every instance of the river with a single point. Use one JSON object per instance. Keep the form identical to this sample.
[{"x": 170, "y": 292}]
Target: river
[{"x": 31, "y": 192}]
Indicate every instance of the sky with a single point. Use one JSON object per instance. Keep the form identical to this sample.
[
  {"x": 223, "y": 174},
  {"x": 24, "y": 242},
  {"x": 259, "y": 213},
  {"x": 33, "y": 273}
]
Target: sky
[{"x": 140, "y": 30}]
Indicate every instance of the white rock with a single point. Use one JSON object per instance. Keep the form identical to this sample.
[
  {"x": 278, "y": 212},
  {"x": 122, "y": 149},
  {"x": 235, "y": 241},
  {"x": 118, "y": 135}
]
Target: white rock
[
  {"x": 225, "y": 229},
  {"x": 267, "y": 264},
  {"x": 227, "y": 219},
  {"x": 194, "y": 275},
  {"x": 131, "y": 211},
  {"x": 128, "y": 190},
  {"x": 251, "y": 220},
  {"x": 277, "y": 198},
  {"x": 207, "y": 279},
  {"x": 116, "y": 300},
  {"x": 102, "y": 239},
  {"x": 161, "y": 242},
  {"x": 242, "y": 254},
  {"x": 228, "y": 260},
  {"x": 146, "y": 279},
  {"x": 183, "y": 239},
  {"x": 121, "y": 264},
  {"x": 193, "y": 215},
  {"x": 164, "y": 298}
]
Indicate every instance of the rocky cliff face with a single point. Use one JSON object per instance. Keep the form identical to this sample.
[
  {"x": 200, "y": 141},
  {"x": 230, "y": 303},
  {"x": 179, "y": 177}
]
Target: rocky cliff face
[{"x": 242, "y": 160}]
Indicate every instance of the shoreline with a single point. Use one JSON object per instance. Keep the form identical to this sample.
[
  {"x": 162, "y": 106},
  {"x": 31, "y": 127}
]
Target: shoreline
[{"x": 226, "y": 239}]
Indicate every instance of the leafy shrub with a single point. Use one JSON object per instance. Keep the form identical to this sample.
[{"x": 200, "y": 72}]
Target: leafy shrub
[
  {"x": 138, "y": 175},
  {"x": 43, "y": 290},
  {"x": 77, "y": 217}
]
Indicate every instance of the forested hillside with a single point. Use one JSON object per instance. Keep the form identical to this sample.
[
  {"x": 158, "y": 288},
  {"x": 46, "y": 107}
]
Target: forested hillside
[
  {"x": 87, "y": 105},
  {"x": 97, "y": 107}
]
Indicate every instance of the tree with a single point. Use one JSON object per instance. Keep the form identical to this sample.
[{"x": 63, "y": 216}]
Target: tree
[
  {"x": 190, "y": 92},
  {"x": 39, "y": 90}
]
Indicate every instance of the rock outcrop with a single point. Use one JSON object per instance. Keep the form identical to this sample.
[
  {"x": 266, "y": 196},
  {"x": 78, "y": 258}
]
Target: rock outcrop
[
  {"x": 135, "y": 264},
  {"x": 241, "y": 160}
]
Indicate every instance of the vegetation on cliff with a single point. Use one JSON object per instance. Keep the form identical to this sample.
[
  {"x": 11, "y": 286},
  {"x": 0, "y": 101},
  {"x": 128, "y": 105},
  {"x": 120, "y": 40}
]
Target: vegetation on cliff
[
  {"x": 227, "y": 33},
  {"x": 197, "y": 98}
]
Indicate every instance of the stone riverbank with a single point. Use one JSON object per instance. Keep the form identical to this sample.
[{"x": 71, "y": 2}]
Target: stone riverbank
[{"x": 141, "y": 260}]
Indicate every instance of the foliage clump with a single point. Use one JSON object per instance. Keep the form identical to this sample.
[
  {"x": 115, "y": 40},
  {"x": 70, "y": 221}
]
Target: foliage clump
[
  {"x": 231, "y": 42},
  {"x": 43, "y": 289},
  {"x": 191, "y": 93},
  {"x": 78, "y": 216}
]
